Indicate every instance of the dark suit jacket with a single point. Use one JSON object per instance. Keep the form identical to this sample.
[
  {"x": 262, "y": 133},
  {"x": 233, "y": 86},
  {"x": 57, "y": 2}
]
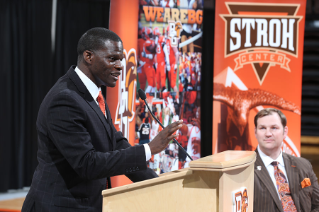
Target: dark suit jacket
[
  {"x": 78, "y": 148},
  {"x": 266, "y": 198}
]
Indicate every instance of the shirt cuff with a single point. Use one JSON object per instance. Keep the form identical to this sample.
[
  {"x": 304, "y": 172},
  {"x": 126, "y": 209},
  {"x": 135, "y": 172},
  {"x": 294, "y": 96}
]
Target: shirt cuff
[{"x": 148, "y": 153}]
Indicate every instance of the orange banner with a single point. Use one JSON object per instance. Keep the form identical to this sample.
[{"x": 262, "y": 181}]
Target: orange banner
[
  {"x": 258, "y": 64},
  {"x": 121, "y": 98}
]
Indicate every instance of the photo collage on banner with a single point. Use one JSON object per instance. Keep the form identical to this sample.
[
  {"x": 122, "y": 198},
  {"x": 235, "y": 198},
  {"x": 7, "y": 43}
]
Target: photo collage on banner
[{"x": 169, "y": 72}]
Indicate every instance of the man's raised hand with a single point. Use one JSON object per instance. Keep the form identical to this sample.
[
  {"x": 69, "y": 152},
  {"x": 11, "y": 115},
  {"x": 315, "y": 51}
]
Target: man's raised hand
[{"x": 164, "y": 137}]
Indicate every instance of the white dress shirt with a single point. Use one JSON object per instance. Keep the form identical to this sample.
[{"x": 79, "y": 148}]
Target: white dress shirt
[
  {"x": 270, "y": 168},
  {"x": 94, "y": 91}
]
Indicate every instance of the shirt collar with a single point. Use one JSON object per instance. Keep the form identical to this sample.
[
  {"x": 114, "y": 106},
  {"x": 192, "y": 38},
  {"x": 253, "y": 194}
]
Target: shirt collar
[
  {"x": 268, "y": 160},
  {"x": 92, "y": 88}
]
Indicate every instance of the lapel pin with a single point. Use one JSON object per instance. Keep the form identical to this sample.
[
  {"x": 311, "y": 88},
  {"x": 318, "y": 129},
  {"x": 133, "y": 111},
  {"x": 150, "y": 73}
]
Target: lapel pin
[
  {"x": 293, "y": 166},
  {"x": 259, "y": 168}
]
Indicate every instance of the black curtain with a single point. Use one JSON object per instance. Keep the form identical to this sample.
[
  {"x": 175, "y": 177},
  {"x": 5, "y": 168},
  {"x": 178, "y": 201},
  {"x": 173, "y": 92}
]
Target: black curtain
[
  {"x": 74, "y": 17},
  {"x": 25, "y": 43},
  {"x": 207, "y": 81},
  {"x": 29, "y": 68}
]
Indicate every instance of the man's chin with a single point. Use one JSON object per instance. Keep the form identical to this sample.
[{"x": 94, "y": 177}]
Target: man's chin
[
  {"x": 265, "y": 147},
  {"x": 112, "y": 85}
]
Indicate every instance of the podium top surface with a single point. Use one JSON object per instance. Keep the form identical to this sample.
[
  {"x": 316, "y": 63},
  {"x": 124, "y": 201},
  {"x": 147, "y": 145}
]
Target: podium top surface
[{"x": 226, "y": 159}]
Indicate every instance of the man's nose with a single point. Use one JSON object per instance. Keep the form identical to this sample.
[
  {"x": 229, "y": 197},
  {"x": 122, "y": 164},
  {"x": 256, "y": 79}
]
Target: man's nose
[
  {"x": 268, "y": 132},
  {"x": 118, "y": 65}
]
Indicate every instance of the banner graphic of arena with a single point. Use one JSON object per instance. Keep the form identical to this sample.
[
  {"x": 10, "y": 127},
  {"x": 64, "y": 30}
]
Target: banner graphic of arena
[
  {"x": 169, "y": 71},
  {"x": 258, "y": 64}
]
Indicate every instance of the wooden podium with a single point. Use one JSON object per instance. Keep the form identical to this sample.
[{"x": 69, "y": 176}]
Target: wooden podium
[{"x": 221, "y": 182}]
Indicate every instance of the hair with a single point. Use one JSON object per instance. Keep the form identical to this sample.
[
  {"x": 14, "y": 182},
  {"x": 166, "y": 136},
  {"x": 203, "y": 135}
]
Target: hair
[
  {"x": 94, "y": 39},
  {"x": 270, "y": 111}
]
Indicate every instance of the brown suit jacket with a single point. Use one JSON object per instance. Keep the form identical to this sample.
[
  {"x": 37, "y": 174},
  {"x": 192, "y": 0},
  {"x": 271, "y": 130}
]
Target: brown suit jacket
[{"x": 265, "y": 195}]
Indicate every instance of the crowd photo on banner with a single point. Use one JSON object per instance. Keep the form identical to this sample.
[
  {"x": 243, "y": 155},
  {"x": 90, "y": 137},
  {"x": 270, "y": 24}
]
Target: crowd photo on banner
[{"x": 169, "y": 72}]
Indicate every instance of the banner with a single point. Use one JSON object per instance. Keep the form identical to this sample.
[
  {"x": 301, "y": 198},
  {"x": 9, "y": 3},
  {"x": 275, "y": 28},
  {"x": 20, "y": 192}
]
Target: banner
[
  {"x": 258, "y": 64},
  {"x": 169, "y": 71},
  {"x": 121, "y": 98}
]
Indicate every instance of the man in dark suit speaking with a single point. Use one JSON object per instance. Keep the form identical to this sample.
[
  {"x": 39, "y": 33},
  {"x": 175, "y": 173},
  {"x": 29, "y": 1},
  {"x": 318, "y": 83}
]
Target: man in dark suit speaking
[
  {"x": 282, "y": 182},
  {"x": 78, "y": 145}
]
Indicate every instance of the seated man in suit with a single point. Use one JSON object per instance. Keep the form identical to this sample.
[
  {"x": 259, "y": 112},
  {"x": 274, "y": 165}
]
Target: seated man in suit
[
  {"x": 78, "y": 145},
  {"x": 282, "y": 182}
]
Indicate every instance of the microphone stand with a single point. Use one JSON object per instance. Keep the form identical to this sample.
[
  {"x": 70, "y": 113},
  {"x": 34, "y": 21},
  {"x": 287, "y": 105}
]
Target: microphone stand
[{"x": 175, "y": 141}]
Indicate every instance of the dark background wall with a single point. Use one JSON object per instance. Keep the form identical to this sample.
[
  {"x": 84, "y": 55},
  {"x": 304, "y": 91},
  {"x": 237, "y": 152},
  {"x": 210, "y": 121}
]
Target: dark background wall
[
  {"x": 310, "y": 77},
  {"x": 310, "y": 87},
  {"x": 28, "y": 69}
]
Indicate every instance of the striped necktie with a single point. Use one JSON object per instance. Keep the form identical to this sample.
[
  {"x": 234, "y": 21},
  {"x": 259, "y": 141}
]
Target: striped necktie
[{"x": 101, "y": 102}]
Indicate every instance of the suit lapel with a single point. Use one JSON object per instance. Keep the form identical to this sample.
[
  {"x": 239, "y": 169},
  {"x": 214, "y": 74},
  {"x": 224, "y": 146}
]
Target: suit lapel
[
  {"x": 293, "y": 179},
  {"x": 96, "y": 108},
  {"x": 89, "y": 99},
  {"x": 109, "y": 120},
  {"x": 264, "y": 177}
]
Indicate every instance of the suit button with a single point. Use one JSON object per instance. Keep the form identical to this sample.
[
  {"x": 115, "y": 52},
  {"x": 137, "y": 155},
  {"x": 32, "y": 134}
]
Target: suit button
[
  {"x": 137, "y": 168},
  {"x": 133, "y": 169}
]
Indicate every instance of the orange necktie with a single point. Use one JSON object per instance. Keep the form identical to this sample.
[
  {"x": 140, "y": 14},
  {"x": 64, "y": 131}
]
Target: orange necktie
[
  {"x": 101, "y": 102},
  {"x": 283, "y": 189}
]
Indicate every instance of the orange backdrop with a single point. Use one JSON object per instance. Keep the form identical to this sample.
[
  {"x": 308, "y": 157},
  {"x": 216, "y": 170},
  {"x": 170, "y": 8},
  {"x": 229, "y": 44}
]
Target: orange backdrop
[
  {"x": 258, "y": 64},
  {"x": 120, "y": 99}
]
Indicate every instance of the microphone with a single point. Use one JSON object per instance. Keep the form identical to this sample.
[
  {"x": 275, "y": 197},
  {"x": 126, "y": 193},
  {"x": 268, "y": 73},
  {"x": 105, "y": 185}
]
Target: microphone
[{"x": 142, "y": 95}]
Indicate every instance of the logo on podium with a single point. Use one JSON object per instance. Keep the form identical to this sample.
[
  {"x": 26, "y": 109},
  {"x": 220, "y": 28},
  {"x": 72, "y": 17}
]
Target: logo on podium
[{"x": 240, "y": 200}]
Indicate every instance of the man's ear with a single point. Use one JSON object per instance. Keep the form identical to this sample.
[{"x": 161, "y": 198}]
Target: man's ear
[
  {"x": 285, "y": 132},
  {"x": 88, "y": 56},
  {"x": 256, "y": 132}
]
